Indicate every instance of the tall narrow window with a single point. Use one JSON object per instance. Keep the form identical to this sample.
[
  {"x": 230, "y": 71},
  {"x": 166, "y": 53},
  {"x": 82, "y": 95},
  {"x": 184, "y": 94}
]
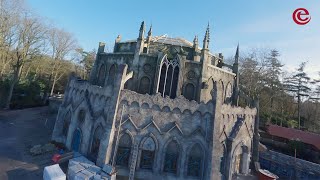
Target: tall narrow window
[
  {"x": 124, "y": 149},
  {"x": 169, "y": 76},
  {"x": 189, "y": 91},
  {"x": 163, "y": 74},
  {"x": 76, "y": 140},
  {"x": 144, "y": 86},
  {"x": 236, "y": 164},
  {"x": 147, "y": 153},
  {"x": 111, "y": 75},
  {"x": 101, "y": 75},
  {"x": 98, "y": 133},
  {"x": 66, "y": 123},
  {"x": 171, "y": 158},
  {"x": 228, "y": 93},
  {"x": 81, "y": 116},
  {"x": 195, "y": 161}
]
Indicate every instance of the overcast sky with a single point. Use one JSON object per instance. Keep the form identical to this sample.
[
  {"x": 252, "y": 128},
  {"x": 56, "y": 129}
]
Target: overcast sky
[{"x": 262, "y": 24}]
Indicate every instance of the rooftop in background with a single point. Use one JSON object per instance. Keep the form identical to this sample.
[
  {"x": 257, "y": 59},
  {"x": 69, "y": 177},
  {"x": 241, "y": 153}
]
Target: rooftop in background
[
  {"x": 165, "y": 39},
  {"x": 294, "y": 134}
]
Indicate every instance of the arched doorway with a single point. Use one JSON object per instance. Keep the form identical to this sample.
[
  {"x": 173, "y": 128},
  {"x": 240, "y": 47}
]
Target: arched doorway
[{"x": 76, "y": 140}]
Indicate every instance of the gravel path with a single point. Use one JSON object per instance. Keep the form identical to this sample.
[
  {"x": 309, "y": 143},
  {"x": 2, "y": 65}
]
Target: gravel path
[{"x": 19, "y": 131}]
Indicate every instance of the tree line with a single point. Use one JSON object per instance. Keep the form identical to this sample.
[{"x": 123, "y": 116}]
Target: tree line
[
  {"x": 35, "y": 57},
  {"x": 289, "y": 99}
]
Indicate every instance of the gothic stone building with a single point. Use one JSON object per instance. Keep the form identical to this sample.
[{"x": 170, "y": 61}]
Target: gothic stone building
[{"x": 159, "y": 108}]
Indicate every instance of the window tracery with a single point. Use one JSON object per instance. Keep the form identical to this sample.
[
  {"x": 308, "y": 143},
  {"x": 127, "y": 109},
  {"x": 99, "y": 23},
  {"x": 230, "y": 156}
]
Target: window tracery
[{"x": 169, "y": 76}]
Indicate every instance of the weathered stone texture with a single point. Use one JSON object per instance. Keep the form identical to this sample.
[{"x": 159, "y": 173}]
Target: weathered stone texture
[{"x": 131, "y": 93}]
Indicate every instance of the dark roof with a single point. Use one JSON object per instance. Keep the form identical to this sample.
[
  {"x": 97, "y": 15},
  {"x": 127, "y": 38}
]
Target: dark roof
[{"x": 294, "y": 134}]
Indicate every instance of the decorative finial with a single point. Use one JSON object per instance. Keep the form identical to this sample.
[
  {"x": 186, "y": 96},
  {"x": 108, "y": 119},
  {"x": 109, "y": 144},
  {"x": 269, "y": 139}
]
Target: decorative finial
[
  {"x": 150, "y": 31},
  {"x": 142, "y": 27},
  {"x": 195, "y": 40},
  {"x": 142, "y": 30},
  {"x": 237, "y": 54},
  {"x": 206, "y": 38}
]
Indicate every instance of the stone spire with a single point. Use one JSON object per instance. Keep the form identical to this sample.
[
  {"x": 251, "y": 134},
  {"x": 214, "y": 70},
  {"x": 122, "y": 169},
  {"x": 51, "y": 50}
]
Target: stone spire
[
  {"x": 206, "y": 38},
  {"x": 118, "y": 39},
  {"x": 236, "y": 81},
  {"x": 150, "y": 31},
  {"x": 148, "y": 40},
  {"x": 237, "y": 55},
  {"x": 142, "y": 30}
]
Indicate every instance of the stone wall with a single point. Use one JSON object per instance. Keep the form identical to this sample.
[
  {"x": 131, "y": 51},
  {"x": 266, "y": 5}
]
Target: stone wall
[
  {"x": 288, "y": 167},
  {"x": 54, "y": 104},
  {"x": 165, "y": 120},
  {"x": 99, "y": 105}
]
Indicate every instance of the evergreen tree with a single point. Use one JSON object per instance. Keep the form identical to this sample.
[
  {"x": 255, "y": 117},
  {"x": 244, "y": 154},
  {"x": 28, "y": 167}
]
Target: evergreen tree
[
  {"x": 298, "y": 84},
  {"x": 272, "y": 78}
]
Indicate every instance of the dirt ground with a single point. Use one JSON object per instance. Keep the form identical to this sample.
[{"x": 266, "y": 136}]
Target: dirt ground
[{"x": 19, "y": 131}]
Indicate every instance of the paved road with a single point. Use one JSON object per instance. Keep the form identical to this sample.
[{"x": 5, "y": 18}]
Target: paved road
[{"x": 19, "y": 131}]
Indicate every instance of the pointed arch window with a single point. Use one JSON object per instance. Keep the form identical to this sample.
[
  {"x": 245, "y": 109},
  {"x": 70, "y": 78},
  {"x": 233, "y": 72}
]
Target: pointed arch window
[
  {"x": 111, "y": 75},
  {"x": 101, "y": 75},
  {"x": 195, "y": 161},
  {"x": 147, "y": 153},
  {"x": 228, "y": 93},
  {"x": 124, "y": 150},
  {"x": 144, "y": 86},
  {"x": 66, "y": 123},
  {"x": 81, "y": 116},
  {"x": 171, "y": 158},
  {"x": 98, "y": 133},
  {"x": 189, "y": 91},
  {"x": 168, "y": 77}
]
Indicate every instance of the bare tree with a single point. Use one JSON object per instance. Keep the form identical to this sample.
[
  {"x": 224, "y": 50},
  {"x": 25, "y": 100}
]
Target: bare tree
[
  {"x": 28, "y": 41},
  {"x": 62, "y": 44},
  {"x": 10, "y": 13}
]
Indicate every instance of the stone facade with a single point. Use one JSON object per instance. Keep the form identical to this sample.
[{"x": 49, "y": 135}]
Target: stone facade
[{"x": 159, "y": 108}]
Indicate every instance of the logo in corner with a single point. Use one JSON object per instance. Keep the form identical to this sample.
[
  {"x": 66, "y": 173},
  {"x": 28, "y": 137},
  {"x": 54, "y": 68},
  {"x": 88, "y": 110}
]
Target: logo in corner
[{"x": 301, "y": 16}]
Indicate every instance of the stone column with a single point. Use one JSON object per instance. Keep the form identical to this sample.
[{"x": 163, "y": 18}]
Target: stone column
[
  {"x": 245, "y": 160},
  {"x": 229, "y": 159},
  {"x": 216, "y": 149},
  {"x": 108, "y": 148},
  {"x": 245, "y": 163}
]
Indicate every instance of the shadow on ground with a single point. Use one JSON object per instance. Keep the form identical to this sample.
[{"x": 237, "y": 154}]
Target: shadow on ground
[{"x": 19, "y": 131}]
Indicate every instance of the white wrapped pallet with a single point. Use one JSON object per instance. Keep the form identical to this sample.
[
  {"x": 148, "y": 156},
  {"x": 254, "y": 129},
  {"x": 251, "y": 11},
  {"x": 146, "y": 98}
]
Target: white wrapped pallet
[
  {"x": 73, "y": 170},
  {"x": 53, "y": 172}
]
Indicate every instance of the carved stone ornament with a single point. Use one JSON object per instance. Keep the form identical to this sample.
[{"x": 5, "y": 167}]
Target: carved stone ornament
[
  {"x": 191, "y": 75},
  {"x": 147, "y": 68}
]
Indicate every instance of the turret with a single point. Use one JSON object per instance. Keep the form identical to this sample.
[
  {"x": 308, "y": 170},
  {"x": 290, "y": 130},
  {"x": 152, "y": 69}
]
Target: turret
[
  {"x": 206, "y": 39},
  {"x": 148, "y": 40},
  {"x": 101, "y": 47},
  {"x": 150, "y": 32},
  {"x": 205, "y": 61},
  {"x": 196, "y": 54},
  {"x": 205, "y": 49},
  {"x": 195, "y": 43},
  {"x": 141, "y": 31},
  {"x": 116, "y": 42},
  {"x": 139, "y": 49}
]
